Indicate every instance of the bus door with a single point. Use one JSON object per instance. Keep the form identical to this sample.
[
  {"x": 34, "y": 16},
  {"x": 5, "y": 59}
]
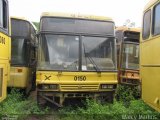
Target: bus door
[{"x": 3, "y": 82}]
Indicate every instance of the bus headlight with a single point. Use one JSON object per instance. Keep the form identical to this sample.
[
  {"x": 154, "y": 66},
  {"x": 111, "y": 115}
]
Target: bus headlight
[
  {"x": 106, "y": 86},
  {"x": 49, "y": 87},
  {"x": 45, "y": 87},
  {"x": 53, "y": 86}
]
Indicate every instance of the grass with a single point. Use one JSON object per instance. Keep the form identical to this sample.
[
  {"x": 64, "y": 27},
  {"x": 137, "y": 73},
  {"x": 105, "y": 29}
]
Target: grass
[
  {"x": 16, "y": 104},
  {"x": 125, "y": 106},
  {"x": 117, "y": 111},
  {"x": 24, "y": 108}
]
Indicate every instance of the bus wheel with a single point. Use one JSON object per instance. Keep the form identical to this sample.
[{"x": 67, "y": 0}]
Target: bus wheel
[{"x": 40, "y": 101}]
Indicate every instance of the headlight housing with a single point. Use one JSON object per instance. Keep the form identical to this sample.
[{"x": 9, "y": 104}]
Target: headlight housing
[
  {"x": 107, "y": 86},
  {"x": 45, "y": 87},
  {"x": 53, "y": 86},
  {"x": 49, "y": 86}
]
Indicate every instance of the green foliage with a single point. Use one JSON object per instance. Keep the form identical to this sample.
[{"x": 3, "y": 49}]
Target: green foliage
[
  {"x": 116, "y": 111},
  {"x": 36, "y": 24},
  {"x": 125, "y": 93},
  {"x": 16, "y": 104},
  {"x": 125, "y": 107},
  {"x": 23, "y": 108}
]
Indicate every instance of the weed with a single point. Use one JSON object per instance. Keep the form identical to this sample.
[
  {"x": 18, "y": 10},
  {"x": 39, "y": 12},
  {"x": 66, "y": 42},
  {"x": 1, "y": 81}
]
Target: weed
[
  {"x": 115, "y": 111},
  {"x": 17, "y": 104}
]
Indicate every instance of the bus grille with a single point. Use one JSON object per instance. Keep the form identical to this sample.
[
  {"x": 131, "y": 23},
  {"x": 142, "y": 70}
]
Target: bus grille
[{"x": 79, "y": 87}]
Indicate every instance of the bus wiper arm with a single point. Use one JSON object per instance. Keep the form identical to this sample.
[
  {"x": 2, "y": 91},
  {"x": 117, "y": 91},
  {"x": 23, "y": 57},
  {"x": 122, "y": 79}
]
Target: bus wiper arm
[{"x": 93, "y": 62}]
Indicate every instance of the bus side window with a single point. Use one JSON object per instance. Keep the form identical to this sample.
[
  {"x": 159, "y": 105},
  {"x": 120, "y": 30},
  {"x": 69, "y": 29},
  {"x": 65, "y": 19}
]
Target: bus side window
[
  {"x": 156, "y": 20},
  {"x": 3, "y": 14},
  {"x": 146, "y": 24}
]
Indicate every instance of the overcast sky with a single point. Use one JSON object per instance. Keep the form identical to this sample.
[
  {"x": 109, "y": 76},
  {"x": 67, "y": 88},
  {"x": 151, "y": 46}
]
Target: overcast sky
[{"x": 119, "y": 10}]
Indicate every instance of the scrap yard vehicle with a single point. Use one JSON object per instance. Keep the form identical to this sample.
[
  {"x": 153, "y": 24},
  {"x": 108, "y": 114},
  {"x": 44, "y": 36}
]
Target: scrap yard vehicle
[
  {"x": 5, "y": 47},
  {"x": 128, "y": 55},
  {"x": 76, "y": 58},
  {"x": 149, "y": 51},
  {"x": 23, "y": 54}
]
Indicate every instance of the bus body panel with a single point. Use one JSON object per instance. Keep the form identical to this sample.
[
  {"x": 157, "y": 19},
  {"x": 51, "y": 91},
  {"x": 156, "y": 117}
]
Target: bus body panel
[
  {"x": 4, "y": 47},
  {"x": 150, "y": 67},
  {"x": 20, "y": 77},
  {"x": 4, "y": 64},
  {"x": 150, "y": 89},
  {"x": 149, "y": 57},
  {"x": 71, "y": 78},
  {"x": 69, "y": 87},
  {"x": 130, "y": 77},
  {"x": 3, "y": 79}
]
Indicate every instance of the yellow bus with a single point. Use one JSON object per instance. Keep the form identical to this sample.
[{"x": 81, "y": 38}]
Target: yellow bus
[
  {"x": 23, "y": 54},
  {"x": 149, "y": 54},
  {"x": 128, "y": 55},
  {"x": 4, "y": 48},
  {"x": 76, "y": 58}
]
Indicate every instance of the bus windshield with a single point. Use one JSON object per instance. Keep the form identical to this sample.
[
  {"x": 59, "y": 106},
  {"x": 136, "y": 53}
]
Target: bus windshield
[
  {"x": 66, "y": 52},
  {"x": 18, "y": 51},
  {"x": 59, "y": 52},
  {"x": 130, "y": 56},
  {"x": 97, "y": 52}
]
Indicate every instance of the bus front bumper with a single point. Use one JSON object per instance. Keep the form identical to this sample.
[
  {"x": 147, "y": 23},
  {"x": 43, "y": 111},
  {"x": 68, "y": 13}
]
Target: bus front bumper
[{"x": 58, "y": 98}]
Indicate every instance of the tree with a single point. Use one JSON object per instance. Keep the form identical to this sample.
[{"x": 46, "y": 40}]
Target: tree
[{"x": 36, "y": 24}]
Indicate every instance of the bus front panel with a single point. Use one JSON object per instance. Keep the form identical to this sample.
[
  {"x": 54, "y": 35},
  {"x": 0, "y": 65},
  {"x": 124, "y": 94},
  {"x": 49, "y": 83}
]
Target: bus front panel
[{"x": 65, "y": 85}]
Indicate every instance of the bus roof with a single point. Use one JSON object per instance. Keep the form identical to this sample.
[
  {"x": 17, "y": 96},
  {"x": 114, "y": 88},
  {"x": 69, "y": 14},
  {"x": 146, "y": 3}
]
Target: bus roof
[
  {"x": 70, "y": 15},
  {"x": 19, "y": 18},
  {"x": 24, "y": 19},
  {"x": 124, "y": 28},
  {"x": 150, "y": 3}
]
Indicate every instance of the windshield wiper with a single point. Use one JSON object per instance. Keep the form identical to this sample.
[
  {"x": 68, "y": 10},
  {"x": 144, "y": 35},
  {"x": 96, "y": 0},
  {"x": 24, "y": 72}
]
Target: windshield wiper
[{"x": 91, "y": 60}]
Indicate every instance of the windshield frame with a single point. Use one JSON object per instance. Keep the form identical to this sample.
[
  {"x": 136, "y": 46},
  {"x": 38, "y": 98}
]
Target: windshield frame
[
  {"x": 75, "y": 32},
  {"x": 79, "y": 50},
  {"x": 121, "y": 54}
]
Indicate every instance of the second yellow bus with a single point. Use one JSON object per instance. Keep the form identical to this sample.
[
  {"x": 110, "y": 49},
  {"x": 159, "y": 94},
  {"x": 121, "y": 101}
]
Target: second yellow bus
[{"x": 23, "y": 54}]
